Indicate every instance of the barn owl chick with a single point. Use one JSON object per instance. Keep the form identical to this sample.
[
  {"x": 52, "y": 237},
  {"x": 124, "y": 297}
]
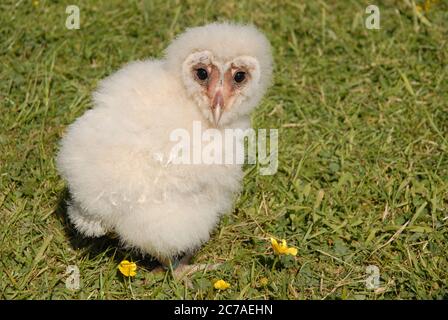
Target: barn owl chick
[{"x": 116, "y": 157}]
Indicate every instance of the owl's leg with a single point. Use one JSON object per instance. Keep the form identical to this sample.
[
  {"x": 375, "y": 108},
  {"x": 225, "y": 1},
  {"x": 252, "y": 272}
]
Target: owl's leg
[{"x": 85, "y": 223}]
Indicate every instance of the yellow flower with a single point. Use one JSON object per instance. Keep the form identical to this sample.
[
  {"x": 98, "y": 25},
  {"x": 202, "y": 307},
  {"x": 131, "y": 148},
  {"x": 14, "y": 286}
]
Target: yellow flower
[
  {"x": 127, "y": 268},
  {"x": 282, "y": 248},
  {"x": 35, "y": 3},
  {"x": 264, "y": 282},
  {"x": 221, "y": 285},
  {"x": 427, "y": 4}
]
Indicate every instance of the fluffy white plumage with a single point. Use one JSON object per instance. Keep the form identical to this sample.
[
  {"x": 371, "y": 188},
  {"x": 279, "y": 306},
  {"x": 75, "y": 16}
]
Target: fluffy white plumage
[{"x": 112, "y": 156}]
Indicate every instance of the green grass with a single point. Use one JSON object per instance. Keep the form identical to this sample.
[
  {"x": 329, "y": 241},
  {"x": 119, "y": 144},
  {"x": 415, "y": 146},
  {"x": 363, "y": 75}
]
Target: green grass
[{"x": 363, "y": 141}]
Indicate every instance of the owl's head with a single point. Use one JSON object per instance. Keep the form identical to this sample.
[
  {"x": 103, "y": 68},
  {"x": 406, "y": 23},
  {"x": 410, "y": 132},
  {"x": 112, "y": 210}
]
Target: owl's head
[{"x": 225, "y": 68}]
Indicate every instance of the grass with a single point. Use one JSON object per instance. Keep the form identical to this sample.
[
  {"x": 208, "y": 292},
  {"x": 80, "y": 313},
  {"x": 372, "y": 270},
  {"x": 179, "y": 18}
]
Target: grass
[{"x": 363, "y": 140}]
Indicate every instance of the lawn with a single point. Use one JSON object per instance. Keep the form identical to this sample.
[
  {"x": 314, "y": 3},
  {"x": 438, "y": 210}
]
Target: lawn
[{"x": 363, "y": 151}]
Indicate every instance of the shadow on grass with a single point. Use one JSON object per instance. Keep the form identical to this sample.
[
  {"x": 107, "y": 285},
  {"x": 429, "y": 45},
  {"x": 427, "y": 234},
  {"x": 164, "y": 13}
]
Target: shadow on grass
[{"x": 108, "y": 245}]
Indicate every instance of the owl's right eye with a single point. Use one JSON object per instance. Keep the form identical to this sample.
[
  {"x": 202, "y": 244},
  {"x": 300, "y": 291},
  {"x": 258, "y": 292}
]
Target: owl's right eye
[{"x": 202, "y": 74}]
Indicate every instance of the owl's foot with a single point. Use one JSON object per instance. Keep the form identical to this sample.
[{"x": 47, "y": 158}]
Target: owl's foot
[{"x": 182, "y": 267}]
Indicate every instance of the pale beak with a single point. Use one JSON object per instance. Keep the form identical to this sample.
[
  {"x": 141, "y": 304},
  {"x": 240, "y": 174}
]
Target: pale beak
[{"x": 217, "y": 107}]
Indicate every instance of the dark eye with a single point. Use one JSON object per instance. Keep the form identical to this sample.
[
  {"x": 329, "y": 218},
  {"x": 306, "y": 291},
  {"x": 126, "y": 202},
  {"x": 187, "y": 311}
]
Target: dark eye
[
  {"x": 202, "y": 73},
  {"x": 239, "y": 76}
]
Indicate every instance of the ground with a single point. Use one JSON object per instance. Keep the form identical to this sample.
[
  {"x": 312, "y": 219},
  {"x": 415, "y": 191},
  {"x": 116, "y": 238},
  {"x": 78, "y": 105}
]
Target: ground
[{"x": 363, "y": 164}]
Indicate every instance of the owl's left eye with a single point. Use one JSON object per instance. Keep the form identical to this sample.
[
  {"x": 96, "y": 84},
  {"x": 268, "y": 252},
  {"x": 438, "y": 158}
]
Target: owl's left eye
[{"x": 239, "y": 76}]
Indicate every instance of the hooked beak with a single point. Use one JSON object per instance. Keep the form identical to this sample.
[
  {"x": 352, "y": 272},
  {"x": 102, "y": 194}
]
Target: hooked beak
[{"x": 217, "y": 107}]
